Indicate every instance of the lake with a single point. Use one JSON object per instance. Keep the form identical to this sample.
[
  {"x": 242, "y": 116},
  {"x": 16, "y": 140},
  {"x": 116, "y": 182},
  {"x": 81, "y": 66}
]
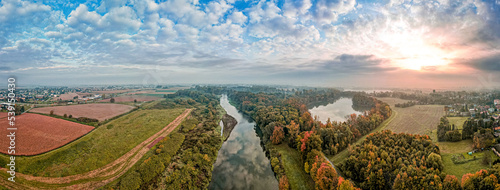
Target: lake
[
  {"x": 336, "y": 111},
  {"x": 241, "y": 161}
]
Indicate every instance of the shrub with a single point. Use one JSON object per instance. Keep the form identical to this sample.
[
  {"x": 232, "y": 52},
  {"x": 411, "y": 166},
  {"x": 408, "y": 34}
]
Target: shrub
[{"x": 131, "y": 181}]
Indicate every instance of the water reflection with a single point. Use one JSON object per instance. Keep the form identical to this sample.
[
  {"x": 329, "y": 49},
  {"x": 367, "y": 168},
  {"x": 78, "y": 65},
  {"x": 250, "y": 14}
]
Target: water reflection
[
  {"x": 241, "y": 162},
  {"x": 336, "y": 111}
]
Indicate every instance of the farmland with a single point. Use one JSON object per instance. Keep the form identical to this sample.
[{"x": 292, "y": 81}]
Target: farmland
[
  {"x": 42, "y": 133},
  {"x": 96, "y": 111},
  {"x": 66, "y": 96},
  {"x": 100, "y": 147},
  {"x": 139, "y": 98},
  {"x": 111, "y": 91},
  {"x": 418, "y": 119}
]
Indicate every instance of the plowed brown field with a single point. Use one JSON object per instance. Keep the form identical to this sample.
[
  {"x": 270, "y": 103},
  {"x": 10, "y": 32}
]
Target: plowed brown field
[
  {"x": 132, "y": 98},
  {"x": 37, "y": 134},
  {"x": 96, "y": 111}
]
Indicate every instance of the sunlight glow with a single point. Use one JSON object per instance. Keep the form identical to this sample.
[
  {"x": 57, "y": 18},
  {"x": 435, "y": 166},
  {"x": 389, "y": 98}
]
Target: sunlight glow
[{"x": 413, "y": 49}]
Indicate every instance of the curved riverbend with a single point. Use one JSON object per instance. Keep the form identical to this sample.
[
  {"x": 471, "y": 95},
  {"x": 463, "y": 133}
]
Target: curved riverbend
[{"x": 241, "y": 161}]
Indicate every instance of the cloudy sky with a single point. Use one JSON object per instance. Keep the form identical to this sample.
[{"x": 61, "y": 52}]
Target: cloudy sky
[{"x": 437, "y": 44}]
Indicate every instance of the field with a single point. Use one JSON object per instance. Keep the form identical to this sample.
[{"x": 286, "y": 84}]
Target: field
[
  {"x": 95, "y": 111},
  {"x": 100, "y": 147},
  {"x": 459, "y": 170},
  {"x": 132, "y": 98},
  {"x": 67, "y": 96},
  {"x": 457, "y": 121},
  {"x": 111, "y": 91},
  {"x": 297, "y": 177},
  {"x": 417, "y": 119},
  {"x": 38, "y": 133}
]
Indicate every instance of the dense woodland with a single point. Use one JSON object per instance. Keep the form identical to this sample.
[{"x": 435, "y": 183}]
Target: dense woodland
[{"x": 386, "y": 160}]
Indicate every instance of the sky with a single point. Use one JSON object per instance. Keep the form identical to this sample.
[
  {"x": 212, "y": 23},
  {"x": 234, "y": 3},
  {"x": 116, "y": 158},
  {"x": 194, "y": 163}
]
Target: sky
[{"x": 346, "y": 43}]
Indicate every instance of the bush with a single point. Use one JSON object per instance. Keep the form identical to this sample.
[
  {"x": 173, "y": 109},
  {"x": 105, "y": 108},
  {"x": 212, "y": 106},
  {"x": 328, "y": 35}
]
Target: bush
[
  {"x": 51, "y": 112},
  {"x": 131, "y": 181},
  {"x": 70, "y": 116},
  {"x": 65, "y": 116},
  {"x": 86, "y": 120},
  {"x": 112, "y": 100}
]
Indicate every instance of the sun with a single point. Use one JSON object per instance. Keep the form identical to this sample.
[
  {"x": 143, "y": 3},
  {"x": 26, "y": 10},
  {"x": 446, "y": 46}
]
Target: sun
[
  {"x": 422, "y": 63},
  {"x": 413, "y": 49}
]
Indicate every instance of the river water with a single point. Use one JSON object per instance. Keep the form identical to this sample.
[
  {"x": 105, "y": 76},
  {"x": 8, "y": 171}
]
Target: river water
[
  {"x": 241, "y": 161},
  {"x": 336, "y": 111}
]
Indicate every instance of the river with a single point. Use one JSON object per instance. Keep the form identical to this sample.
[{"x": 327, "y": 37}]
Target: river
[{"x": 241, "y": 161}]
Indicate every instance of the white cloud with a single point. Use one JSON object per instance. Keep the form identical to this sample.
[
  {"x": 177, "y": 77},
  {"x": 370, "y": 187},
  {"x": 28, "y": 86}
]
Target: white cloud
[
  {"x": 238, "y": 17},
  {"x": 12, "y": 9}
]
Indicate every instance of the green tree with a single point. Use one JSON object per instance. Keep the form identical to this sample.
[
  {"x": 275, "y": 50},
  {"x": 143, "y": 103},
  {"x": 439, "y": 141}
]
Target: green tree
[{"x": 434, "y": 161}]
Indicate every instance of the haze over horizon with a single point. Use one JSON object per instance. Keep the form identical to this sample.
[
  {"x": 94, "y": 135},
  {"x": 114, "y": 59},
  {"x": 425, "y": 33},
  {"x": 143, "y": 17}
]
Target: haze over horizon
[{"x": 412, "y": 44}]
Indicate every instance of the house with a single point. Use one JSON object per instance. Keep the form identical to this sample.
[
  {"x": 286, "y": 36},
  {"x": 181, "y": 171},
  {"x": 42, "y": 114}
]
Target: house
[
  {"x": 4, "y": 105},
  {"x": 472, "y": 112},
  {"x": 496, "y": 149},
  {"x": 491, "y": 110},
  {"x": 496, "y": 101}
]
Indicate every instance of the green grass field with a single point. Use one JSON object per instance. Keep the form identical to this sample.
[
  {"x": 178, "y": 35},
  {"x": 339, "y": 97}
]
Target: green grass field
[
  {"x": 459, "y": 170},
  {"x": 457, "y": 121},
  {"x": 100, "y": 147},
  {"x": 297, "y": 177}
]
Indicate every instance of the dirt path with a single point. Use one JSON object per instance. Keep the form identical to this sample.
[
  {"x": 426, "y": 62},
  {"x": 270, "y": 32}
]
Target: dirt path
[{"x": 114, "y": 169}]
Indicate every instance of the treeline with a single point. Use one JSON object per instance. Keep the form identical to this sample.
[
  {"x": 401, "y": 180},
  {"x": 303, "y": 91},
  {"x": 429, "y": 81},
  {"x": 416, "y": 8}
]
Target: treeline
[
  {"x": 386, "y": 160},
  {"x": 406, "y": 104},
  {"x": 289, "y": 121},
  {"x": 476, "y": 129},
  {"x": 444, "y": 97},
  {"x": 192, "y": 166}
]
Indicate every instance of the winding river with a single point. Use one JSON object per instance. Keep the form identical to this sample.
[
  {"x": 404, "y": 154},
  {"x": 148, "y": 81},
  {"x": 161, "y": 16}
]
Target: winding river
[{"x": 241, "y": 161}]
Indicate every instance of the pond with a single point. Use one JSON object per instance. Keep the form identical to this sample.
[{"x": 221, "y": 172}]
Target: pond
[
  {"x": 241, "y": 161},
  {"x": 336, "y": 111}
]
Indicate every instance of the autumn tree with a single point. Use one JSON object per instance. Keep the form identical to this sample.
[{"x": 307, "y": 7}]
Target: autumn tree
[
  {"x": 434, "y": 161},
  {"x": 451, "y": 182},
  {"x": 307, "y": 142},
  {"x": 293, "y": 130},
  {"x": 284, "y": 185},
  {"x": 278, "y": 135},
  {"x": 326, "y": 177}
]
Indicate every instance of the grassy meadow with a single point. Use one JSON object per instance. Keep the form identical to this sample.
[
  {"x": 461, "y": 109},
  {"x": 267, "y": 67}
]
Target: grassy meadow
[{"x": 98, "y": 148}]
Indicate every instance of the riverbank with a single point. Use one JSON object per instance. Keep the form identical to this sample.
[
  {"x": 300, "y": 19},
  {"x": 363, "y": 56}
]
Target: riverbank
[{"x": 229, "y": 123}]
